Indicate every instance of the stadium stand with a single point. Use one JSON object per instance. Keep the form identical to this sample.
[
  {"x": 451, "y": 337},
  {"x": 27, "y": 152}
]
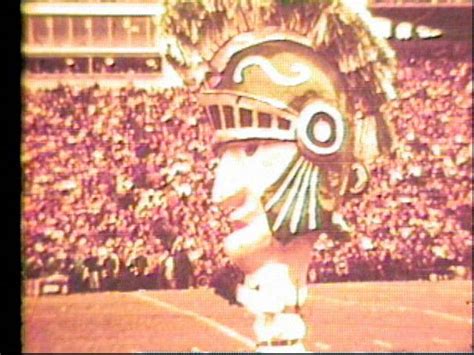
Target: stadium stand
[{"x": 117, "y": 185}]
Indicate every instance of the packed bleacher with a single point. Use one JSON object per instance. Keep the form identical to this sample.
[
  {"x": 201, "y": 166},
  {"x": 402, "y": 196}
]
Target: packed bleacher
[
  {"x": 117, "y": 184},
  {"x": 124, "y": 172},
  {"x": 415, "y": 219}
]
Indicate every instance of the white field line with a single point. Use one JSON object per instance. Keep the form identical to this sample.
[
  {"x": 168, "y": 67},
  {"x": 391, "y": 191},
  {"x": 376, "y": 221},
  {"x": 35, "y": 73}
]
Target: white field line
[
  {"x": 393, "y": 308},
  {"x": 440, "y": 341},
  {"x": 336, "y": 301},
  {"x": 383, "y": 344},
  {"x": 208, "y": 321},
  {"x": 447, "y": 316},
  {"x": 322, "y": 346}
]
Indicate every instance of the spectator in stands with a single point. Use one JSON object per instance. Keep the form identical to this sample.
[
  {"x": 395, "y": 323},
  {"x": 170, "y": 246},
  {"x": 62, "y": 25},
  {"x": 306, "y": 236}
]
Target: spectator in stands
[
  {"x": 110, "y": 271},
  {"x": 183, "y": 269},
  {"x": 93, "y": 269}
]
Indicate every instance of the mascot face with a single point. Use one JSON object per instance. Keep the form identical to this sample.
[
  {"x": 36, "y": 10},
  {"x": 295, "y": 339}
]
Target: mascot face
[{"x": 284, "y": 136}]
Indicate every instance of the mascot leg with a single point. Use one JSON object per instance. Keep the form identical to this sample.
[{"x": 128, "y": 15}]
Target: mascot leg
[{"x": 271, "y": 296}]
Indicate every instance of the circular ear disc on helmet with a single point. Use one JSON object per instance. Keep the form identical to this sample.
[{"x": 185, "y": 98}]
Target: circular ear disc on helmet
[{"x": 320, "y": 128}]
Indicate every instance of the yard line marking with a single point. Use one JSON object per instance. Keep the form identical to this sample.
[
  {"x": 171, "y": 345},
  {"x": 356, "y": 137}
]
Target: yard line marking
[
  {"x": 393, "y": 308},
  {"x": 322, "y": 346},
  {"x": 383, "y": 344},
  {"x": 440, "y": 341},
  {"x": 447, "y": 316},
  {"x": 208, "y": 321},
  {"x": 336, "y": 300}
]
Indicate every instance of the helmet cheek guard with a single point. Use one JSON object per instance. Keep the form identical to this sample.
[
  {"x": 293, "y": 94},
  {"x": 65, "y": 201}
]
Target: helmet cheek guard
[{"x": 320, "y": 130}]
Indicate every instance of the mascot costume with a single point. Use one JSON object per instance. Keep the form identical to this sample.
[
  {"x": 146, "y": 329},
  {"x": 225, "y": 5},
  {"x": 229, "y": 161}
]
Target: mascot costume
[{"x": 293, "y": 90}]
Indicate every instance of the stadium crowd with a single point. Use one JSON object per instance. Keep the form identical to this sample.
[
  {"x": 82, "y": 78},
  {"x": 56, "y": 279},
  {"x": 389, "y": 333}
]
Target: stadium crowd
[
  {"x": 123, "y": 172},
  {"x": 415, "y": 218},
  {"x": 116, "y": 188}
]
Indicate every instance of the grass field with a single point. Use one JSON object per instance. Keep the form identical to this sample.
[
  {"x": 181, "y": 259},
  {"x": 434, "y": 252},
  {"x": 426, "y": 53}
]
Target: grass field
[{"x": 382, "y": 317}]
